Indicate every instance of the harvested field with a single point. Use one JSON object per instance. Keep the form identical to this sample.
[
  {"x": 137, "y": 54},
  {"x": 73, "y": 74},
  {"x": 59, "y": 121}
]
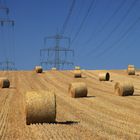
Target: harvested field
[{"x": 100, "y": 115}]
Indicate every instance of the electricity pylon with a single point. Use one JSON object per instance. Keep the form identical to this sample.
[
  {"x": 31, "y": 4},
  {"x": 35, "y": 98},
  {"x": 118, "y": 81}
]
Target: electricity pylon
[
  {"x": 57, "y": 51},
  {"x": 4, "y": 8},
  {"x": 6, "y": 64}
]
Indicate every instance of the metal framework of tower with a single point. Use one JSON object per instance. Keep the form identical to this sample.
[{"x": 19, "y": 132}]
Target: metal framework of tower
[
  {"x": 57, "y": 62},
  {"x": 7, "y": 64}
]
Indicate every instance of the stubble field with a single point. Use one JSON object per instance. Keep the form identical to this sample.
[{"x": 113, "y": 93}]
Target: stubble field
[{"x": 101, "y": 115}]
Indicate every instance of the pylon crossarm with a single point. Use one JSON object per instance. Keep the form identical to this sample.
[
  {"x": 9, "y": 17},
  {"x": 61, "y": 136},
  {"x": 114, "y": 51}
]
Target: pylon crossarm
[{"x": 3, "y": 21}]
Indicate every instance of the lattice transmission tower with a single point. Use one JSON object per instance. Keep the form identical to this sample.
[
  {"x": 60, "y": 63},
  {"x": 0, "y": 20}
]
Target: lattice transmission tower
[
  {"x": 5, "y": 22},
  {"x": 7, "y": 65},
  {"x": 56, "y": 56}
]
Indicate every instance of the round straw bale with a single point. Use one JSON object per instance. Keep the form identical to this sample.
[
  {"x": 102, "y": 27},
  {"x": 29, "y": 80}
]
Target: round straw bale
[
  {"x": 77, "y": 73},
  {"x": 131, "y": 66},
  {"x": 78, "y": 89},
  {"x": 4, "y": 82},
  {"x": 124, "y": 88},
  {"x": 40, "y": 107},
  {"x": 104, "y": 76},
  {"x": 54, "y": 68},
  {"x": 77, "y": 68},
  {"x": 38, "y": 69},
  {"x": 131, "y": 70}
]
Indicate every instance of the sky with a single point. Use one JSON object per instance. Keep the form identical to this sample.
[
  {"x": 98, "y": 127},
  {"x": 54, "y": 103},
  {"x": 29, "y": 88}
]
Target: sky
[{"x": 104, "y": 33}]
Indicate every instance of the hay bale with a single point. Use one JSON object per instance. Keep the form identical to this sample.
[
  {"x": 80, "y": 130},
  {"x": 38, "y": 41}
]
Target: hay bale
[
  {"x": 77, "y": 68},
  {"x": 78, "y": 89},
  {"x": 54, "y": 68},
  {"x": 131, "y": 70},
  {"x": 4, "y": 82},
  {"x": 104, "y": 76},
  {"x": 131, "y": 66},
  {"x": 77, "y": 73},
  {"x": 124, "y": 88},
  {"x": 38, "y": 69},
  {"x": 40, "y": 107}
]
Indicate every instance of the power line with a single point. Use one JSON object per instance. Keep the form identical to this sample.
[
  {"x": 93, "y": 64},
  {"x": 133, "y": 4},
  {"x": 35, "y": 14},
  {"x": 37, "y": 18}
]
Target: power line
[
  {"x": 84, "y": 19},
  {"x": 106, "y": 23},
  {"x": 90, "y": 16},
  {"x": 114, "y": 29},
  {"x": 68, "y": 17},
  {"x": 106, "y": 50},
  {"x": 77, "y": 16}
]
